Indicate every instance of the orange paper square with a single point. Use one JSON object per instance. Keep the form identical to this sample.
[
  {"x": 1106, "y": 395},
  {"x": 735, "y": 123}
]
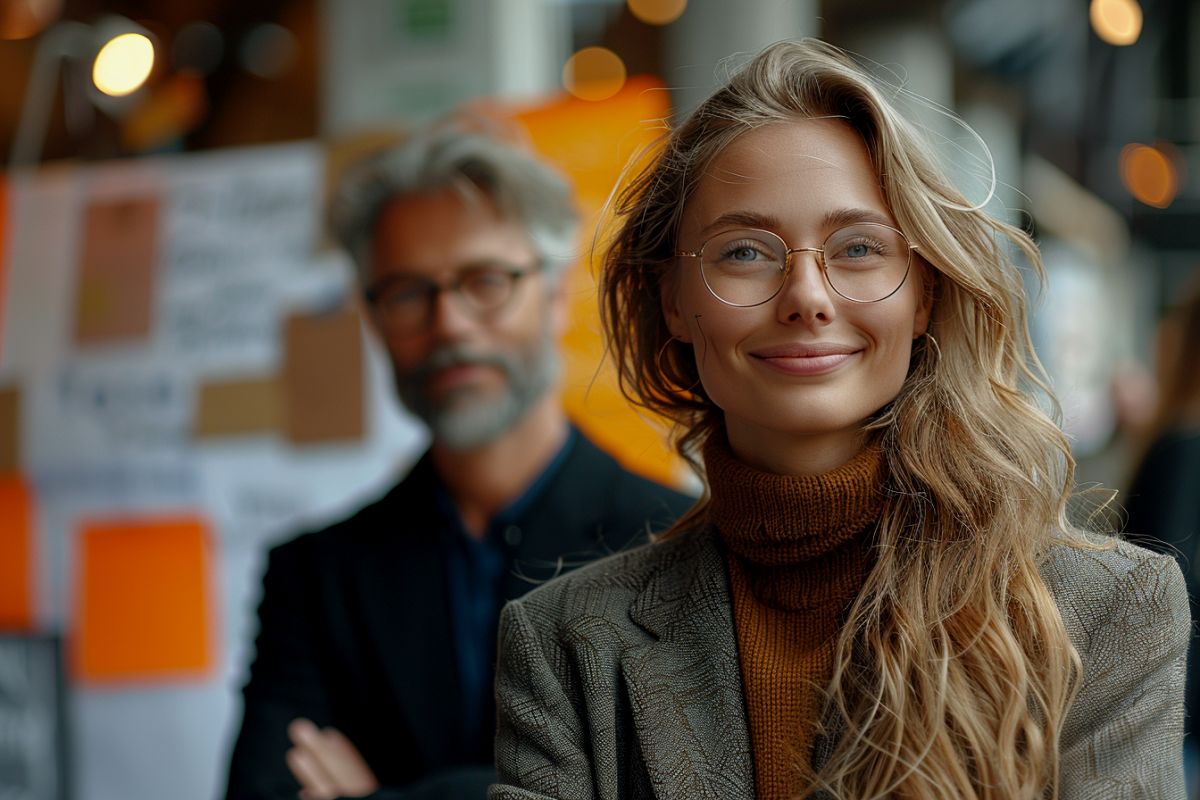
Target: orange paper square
[
  {"x": 16, "y": 553},
  {"x": 144, "y": 606}
]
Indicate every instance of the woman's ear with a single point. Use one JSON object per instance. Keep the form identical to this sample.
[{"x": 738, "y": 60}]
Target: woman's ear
[
  {"x": 669, "y": 298},
  {"x": 929, "y": 282}
]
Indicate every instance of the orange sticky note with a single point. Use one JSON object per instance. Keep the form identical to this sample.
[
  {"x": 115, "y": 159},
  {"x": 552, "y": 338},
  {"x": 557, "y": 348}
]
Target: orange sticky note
[
  {"x": 16, "y": 553},
  {"x": 143, "y": 599}
]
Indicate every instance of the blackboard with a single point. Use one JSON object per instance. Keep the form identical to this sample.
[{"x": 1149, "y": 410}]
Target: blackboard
[{"x": 33, "y": 764}]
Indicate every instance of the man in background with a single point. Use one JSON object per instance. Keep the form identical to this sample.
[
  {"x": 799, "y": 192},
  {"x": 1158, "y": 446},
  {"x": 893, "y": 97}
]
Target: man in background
[{"x": 374, "y": 663}]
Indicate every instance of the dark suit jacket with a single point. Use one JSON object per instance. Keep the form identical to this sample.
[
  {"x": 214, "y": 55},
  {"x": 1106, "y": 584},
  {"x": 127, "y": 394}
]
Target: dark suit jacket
[
  {"x": 621, "y": 681},
  {"x": 1163, "y": 504},
  {"x": 355, "y": 628}
]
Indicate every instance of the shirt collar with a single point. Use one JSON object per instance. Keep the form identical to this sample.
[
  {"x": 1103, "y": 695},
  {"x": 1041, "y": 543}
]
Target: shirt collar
[{"x": 512, "y": 512}]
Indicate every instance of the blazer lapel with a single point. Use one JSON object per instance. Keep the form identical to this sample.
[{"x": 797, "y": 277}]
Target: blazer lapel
[
  {"x": 403, "y": 591},
  {"x": 686, "y": 688},
  {"x": 560, "y": 530}
]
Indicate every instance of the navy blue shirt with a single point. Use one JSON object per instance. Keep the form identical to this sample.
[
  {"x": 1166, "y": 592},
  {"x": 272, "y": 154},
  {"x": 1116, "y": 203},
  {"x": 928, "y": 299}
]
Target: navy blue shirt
[{"x": 474, "y": 579}]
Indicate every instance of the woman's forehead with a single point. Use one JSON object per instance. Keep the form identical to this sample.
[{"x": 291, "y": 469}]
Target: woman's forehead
[
  {"x": 795, "y": 168},
  {"x": 792, "y": 146}
]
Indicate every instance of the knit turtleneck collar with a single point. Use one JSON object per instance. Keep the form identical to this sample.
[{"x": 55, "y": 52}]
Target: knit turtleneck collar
[{"x": 798, "y": 534}]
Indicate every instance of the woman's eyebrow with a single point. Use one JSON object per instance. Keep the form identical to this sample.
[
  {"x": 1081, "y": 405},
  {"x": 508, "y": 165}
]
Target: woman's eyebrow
[
  {"x": 742, "y": 219},
  {"x": 836, "y": 218},
  {"x": 848, "y": 216}
]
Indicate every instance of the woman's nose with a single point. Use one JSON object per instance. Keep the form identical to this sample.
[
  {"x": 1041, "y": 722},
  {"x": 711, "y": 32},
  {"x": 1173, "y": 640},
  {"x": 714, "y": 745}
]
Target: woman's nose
[{"x": 806, "y": 296}]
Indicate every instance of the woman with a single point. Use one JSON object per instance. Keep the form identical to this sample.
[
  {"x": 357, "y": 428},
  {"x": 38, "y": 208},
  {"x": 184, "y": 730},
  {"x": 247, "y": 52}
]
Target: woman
[{"x": 879, "y": 595}]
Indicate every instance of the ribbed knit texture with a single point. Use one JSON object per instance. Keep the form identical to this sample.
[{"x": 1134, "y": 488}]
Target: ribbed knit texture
[{"x": 797, "y": 556}]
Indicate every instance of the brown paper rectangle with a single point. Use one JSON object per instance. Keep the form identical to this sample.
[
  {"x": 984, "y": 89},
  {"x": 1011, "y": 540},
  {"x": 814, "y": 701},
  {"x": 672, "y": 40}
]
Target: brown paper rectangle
[
  {"x": 10, "y": 429},
  {"x": 116, "y": 270},
  {"x": 323, "y": 377},
  {"x": 239, "y": 407}
]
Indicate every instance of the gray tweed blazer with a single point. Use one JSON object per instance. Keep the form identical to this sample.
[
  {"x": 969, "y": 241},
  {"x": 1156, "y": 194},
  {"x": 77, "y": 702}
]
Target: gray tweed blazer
[{"x": 620, "y": 681}]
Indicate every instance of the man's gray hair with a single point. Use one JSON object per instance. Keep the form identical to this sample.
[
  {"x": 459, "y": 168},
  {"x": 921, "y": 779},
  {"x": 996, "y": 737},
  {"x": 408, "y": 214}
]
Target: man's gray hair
[{"x": 524, "y": 189}]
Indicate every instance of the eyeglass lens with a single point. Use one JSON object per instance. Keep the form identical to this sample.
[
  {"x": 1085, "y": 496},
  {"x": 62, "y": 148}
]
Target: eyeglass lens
[
  {"x": 864, "y": 262},
  {"x": 407, "y": 303}
]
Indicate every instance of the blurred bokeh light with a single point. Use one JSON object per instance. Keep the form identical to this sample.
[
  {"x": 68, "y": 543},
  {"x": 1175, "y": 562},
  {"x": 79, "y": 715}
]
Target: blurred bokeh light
[
  {"x": 1117, "y": 22},
  {"x": 123, "y": 64},
  {"x": 657, "y": 12},
  {"x": 269, "y": 51},
  {"x": 1150, "y": 173},
  {"x": 594, "y": 73}
]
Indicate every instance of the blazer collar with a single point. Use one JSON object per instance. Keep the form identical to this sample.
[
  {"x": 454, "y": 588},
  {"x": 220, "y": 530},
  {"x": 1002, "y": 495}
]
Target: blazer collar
[
  {"x": 685, "y": 687},
  {"x": 564, "y": 528}
]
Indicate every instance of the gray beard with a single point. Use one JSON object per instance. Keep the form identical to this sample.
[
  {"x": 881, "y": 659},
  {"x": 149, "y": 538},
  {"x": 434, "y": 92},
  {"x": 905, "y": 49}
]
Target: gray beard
[{"x": 462, "y": 420}]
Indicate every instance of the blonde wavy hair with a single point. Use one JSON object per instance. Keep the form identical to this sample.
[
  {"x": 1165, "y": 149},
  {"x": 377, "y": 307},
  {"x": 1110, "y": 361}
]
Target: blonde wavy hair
[{"x": 953, "y": 671}]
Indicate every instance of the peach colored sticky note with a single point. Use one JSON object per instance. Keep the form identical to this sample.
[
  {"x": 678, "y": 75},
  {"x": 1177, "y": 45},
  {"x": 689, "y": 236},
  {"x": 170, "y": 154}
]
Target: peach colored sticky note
[
  {"x": 144, "y": 607},
  {"x": 16, "y": 553}
]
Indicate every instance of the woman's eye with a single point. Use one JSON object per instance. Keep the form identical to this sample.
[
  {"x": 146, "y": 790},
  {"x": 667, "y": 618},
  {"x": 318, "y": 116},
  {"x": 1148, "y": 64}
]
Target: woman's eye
[
  {"x": 858, "y": 251},
  {"x": 744, "y": 252}
]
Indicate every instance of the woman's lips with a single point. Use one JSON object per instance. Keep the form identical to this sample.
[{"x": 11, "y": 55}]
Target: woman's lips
[{"x": 815, "y": 359}]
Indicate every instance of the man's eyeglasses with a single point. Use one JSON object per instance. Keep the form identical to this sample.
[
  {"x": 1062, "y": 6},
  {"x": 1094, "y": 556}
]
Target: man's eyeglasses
[
  {"x": 865, "y": 263},
  {"x": 404, "y": 304}
]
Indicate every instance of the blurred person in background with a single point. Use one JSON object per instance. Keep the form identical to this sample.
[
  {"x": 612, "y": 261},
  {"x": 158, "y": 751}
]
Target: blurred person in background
[
  {"x": 375, "y": 653},
  {"x": 1163, "y": 500},
  {"x": 880, "y": 595}
]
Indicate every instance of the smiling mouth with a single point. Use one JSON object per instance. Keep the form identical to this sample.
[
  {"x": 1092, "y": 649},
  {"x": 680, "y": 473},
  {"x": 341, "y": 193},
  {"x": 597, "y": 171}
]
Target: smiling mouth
[{"x": 806, "y": 361}]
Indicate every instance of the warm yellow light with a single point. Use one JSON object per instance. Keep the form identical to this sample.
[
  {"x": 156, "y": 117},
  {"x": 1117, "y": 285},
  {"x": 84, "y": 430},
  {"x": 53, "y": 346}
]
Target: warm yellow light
[
  {"x": 123, "y": 64},
  {"x": 1117, "y": 22},
  {"x": 1149, "y": 174},
  {"x": 594, "y": 73},
  {"x": 657, "y": 12}
]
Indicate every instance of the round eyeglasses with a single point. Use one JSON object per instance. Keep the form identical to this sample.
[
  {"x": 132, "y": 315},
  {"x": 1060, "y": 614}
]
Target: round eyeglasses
[
  {"x": 865, "y": 262},
  {"x": 404, "y": 303}
]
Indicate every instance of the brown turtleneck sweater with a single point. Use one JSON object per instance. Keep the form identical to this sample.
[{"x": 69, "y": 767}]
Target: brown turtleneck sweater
[{"x": 797, "y": 557}]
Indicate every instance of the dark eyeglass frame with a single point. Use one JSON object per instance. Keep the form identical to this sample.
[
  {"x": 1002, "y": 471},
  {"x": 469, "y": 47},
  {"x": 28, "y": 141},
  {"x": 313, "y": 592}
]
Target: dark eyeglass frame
[
  {"x": 376, "y": 294},
  {"x": 787, "y": 265}
]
